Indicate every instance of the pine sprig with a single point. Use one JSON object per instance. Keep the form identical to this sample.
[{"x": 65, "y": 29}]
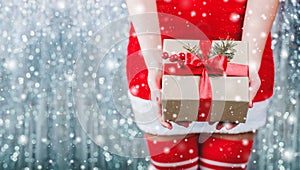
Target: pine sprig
[
  {"x": 224, "y": 48},
  {"x": 193, "y": 49}
]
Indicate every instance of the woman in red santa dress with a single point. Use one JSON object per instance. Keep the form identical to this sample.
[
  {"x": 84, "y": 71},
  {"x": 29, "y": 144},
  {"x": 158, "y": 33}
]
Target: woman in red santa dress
[{"x": 171, "y": 145}]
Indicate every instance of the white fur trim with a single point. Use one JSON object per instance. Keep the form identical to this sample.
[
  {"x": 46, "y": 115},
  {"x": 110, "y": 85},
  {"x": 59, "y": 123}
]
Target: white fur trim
[{"x": 148, "y": 121}]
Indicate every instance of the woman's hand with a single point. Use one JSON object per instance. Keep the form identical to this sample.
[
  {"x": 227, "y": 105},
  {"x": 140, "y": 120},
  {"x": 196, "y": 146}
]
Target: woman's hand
[
  {"x": 255, "y": 31},
  {"x": 154, "y": 82},
  {"x": 149, "y": 38},
  {"x": 255, "y": 83}
]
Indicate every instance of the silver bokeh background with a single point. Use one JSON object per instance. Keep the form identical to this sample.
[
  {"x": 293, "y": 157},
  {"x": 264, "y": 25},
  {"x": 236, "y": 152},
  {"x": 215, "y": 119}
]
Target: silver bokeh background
[{"x": 40, "y": 42}]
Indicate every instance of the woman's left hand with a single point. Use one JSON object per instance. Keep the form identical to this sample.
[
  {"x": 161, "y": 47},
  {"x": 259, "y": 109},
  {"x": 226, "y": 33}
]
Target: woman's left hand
[{"x": 255, "y": 83}]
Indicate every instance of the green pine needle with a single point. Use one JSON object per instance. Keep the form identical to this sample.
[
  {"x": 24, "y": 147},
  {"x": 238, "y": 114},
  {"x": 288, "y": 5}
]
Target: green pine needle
[
  {"x": 225, "y": 48},
  {"x": 193, "y": 49}
]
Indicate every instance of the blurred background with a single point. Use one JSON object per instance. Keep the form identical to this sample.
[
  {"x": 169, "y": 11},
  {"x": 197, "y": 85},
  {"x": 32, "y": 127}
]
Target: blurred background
[{"x": 63, "y": 92}]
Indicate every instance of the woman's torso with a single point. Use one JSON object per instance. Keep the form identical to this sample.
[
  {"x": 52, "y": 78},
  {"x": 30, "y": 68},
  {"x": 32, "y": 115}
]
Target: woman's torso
[{"x": 196, "y": 19}]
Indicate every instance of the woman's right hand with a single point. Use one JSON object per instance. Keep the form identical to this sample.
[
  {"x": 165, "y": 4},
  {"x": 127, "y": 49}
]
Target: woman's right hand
[{"x": 154, "y": 82}]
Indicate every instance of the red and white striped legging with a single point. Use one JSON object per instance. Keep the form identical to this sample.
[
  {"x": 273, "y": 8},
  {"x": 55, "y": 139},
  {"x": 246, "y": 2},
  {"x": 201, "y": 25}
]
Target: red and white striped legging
[{"x": 188, "y": 154}]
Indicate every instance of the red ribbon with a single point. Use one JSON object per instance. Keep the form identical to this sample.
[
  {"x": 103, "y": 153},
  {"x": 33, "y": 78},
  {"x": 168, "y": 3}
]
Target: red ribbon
[{"x": 217, "y": 65}]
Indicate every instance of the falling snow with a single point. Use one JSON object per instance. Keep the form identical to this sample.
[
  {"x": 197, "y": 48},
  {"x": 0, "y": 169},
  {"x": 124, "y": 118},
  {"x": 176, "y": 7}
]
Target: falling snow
[
  {"x": 234, "y": 17},
  {"x": 47, "y": 111},
  {"x": 193, "y": 13}
]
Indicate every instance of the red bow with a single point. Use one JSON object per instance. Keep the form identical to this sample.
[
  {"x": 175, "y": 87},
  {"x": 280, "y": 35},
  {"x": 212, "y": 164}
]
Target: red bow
[{"x": 215, "y": 65}]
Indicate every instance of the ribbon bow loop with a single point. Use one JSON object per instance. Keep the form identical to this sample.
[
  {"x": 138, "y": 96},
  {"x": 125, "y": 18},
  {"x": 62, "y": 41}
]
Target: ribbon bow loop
[
  {"x": 192, "y": 60},
  {"x": 217, "y": 64},
  {"x": 214, "y": 65}
]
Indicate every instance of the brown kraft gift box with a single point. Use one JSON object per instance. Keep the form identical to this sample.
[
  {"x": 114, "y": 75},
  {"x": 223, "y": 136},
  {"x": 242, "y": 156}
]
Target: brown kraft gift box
[{"x": 180, "y": 93}]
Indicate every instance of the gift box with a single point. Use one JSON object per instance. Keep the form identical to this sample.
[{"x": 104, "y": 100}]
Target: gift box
[{"x": 204, "y": 88}]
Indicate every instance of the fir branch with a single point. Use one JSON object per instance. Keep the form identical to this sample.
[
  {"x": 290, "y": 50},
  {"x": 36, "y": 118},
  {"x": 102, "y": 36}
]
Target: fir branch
[
  {"x": 193, "y": 49},
  {"x": 224, "y": 48}
]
